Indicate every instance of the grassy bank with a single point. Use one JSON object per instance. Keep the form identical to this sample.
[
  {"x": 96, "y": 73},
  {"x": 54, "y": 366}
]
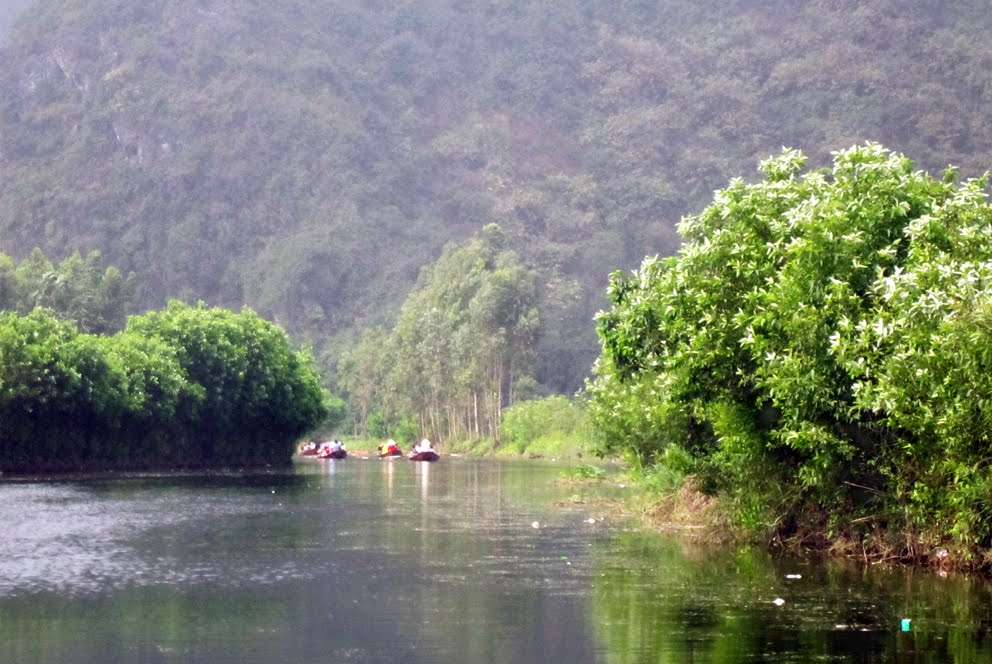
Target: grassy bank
[{"x": 663, "y": 504}]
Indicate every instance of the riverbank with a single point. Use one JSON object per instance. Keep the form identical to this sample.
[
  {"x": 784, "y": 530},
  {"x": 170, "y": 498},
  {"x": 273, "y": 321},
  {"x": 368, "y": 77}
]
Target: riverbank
[
  {"x": 690, "y": 513},
  {"x": 541, "y": 448},
  {"x": 676, "y": 505}
]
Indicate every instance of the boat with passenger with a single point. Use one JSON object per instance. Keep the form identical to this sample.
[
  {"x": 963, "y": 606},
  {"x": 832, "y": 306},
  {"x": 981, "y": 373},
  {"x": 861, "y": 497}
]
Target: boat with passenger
[
  {"x": 389, "y": 449},
  {"x": 424, "y": 451},
  {"x": 332, "y": 449}
]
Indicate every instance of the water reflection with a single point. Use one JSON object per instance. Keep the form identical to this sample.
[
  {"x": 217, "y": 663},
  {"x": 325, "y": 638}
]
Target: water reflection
[
  {"x": 661, "y": 600},
  {"x": 383, "y": 561},
  {"x": 387, "y": 465},
  {"x": 423, "y": 471}
]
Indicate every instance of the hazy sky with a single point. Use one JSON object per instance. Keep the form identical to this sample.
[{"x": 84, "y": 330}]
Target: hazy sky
[{"x": 9, "y": 11}]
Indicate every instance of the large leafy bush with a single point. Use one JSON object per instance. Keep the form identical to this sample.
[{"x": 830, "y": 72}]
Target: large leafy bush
[{"x": 820, "y": 347}]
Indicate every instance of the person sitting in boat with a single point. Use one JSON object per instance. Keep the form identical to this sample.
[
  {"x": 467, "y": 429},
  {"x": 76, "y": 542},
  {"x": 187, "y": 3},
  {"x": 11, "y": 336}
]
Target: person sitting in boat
[
  {"x": 389, "y": 448},
  {"x": 336, "y": 445},
  {"x": 423, "y": 446}
]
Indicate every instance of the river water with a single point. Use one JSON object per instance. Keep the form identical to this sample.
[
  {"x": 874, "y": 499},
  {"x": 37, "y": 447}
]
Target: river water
[{"x": 458, "y": 561}]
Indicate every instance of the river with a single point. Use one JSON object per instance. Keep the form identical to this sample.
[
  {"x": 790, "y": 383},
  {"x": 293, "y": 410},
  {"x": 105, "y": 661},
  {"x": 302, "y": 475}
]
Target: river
[{"x": 463, "y": 560}]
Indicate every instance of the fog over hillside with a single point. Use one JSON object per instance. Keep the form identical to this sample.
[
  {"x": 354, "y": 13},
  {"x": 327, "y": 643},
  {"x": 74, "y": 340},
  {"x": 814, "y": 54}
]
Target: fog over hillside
[{"x": 10, "y": 10}]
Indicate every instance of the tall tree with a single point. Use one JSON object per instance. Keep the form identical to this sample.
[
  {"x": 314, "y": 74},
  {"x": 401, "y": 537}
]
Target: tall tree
[{"x": 462, "y": 340}]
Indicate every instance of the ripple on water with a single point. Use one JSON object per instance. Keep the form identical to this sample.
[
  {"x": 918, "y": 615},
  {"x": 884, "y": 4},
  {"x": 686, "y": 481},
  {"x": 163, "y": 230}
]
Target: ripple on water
[{"x": 71, "y": 539}]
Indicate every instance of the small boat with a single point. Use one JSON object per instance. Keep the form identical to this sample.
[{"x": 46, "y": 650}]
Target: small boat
[
  {"x": 391, "y": 453},
  {"x": 389, "y": 449},
  {"x": 328, "y": 453},
  {"x": 331, "y": 450},
  {"x": 428, "y": 455}
]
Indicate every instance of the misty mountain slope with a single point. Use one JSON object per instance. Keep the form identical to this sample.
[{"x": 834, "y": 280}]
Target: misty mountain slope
[{"x": 308, "y": 158}]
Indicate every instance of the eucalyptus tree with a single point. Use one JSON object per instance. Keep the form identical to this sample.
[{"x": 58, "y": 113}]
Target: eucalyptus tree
[
  {"x": 360, "y": 370},
  {"x": 8, "y": 283},
  {"x": 81, "y": 290},
  {"x": 463, "y": 338},
  {"x": 817, "y": 351}
]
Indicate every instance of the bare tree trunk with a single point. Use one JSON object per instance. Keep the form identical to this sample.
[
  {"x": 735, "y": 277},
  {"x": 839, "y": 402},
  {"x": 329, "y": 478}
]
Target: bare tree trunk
[
  {"x": 499, "y": 403},
  {"x": 509, "y": 384}
]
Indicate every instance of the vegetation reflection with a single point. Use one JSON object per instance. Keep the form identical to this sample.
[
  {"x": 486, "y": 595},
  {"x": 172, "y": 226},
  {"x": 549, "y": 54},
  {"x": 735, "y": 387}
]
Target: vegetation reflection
[{"x": 662, "y": 599}]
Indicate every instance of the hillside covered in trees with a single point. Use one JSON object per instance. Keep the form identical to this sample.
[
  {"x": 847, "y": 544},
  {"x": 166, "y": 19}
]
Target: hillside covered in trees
[{"x": 308, "y": 158}]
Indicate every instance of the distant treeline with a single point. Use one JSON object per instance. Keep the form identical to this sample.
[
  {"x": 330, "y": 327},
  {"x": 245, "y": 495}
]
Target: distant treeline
[
  {"x": 78, "y": 289},
  {"x": 185, "y": 387}
]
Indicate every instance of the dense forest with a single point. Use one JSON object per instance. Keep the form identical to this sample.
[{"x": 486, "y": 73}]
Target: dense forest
[
  {"x": 309, "y": 158},
  {"x": 78, "y": 289},
  {"x": 82, "y": 386}
]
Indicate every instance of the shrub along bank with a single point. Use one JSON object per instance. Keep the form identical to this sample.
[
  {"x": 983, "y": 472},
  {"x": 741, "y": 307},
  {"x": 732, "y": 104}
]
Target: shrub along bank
[{"x": 819, "y": 355}]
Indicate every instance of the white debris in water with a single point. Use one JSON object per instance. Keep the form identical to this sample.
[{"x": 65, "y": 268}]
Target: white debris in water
[
  {"x": 536, "y": 524},
  {"x": 793, "y": 576},
  {"x": 778, "y": 601},
  {"x": 590, "y": 520}
]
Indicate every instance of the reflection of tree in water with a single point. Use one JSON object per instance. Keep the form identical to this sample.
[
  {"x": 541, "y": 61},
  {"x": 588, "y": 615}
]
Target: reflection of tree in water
[
  {"x": 659, "y": 599},
  {"x": 696, "y": 619}
]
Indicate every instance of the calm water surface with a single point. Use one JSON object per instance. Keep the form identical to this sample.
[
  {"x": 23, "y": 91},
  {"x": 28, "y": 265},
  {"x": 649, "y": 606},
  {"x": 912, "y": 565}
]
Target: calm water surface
[{"x": 458, "y": 561}]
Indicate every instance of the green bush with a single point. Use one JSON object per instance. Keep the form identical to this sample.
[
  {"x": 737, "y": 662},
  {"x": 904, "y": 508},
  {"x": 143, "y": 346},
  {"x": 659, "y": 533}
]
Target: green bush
[
  {"x": 820, "y": 349},
  {"x": 552, "y": 426},
  {"x": 188, "y": 386}
]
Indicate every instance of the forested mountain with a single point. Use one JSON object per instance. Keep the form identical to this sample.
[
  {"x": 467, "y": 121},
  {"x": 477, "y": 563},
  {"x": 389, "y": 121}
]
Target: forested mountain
[{"x": 307, "y": 158}]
